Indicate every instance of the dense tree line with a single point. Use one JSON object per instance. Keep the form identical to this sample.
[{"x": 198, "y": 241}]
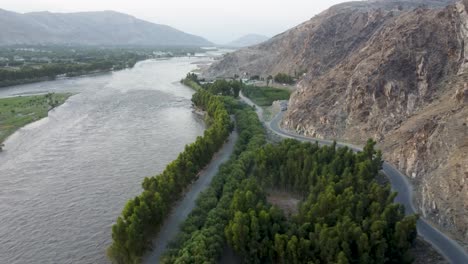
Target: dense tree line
[
  {"x": 224, "y": 87},
  {"x": 50, "y": 71},
  {"x": 218, "y": 87},
  {"x": 192, "y": 77},
  {"x": 201, "y": 239},
  {"x": 143, "y": 216},
  {"x": 284, "y": 78},
  {"x": 345, "y": 215}
]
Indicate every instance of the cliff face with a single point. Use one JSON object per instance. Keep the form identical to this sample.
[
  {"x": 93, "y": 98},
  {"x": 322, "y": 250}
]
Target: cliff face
[
  {"x": 405, "y": 87},
  {"x": 388, "y": 70}
]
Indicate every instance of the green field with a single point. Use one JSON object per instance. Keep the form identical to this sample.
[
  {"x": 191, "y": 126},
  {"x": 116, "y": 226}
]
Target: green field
[
  {"x": 265, "y": 96},
  {"x": 18, "y": 111}
]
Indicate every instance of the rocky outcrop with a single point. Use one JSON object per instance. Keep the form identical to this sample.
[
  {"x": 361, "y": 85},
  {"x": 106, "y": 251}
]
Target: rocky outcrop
[
  {"x": 431, "y": 147},
  {"x": 462, "y": 95},
  {"x": 398, "y": 87},
  {"x": 316, "y": 45},
  {"x": 395, "y": 71}
]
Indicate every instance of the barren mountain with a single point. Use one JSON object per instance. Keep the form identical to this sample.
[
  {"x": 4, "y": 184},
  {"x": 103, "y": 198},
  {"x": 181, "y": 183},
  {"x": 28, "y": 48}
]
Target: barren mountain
[
  {"x": 89, "y": 28},
  {"x": 395, "y": 71}
]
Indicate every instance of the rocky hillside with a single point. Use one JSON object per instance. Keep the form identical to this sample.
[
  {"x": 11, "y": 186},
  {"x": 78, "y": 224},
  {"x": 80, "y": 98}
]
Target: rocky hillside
[
  {"x": 89, "y": 28},
  {"x": 247, "y": 40},
  {"x": 395, "y": 71}
]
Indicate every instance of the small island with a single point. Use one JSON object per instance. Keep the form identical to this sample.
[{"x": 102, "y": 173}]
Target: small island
[{"x": 16, "y": 112}]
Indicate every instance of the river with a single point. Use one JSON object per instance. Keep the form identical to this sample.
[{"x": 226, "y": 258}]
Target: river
[{"x": 66, "y": 178}]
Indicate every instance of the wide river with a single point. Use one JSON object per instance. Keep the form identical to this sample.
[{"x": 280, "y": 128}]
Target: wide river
[{"x": 66, "y": 178}]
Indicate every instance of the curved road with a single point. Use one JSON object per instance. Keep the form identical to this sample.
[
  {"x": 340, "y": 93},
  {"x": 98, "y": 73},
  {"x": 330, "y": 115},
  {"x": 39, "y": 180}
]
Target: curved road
[
  {"x": 449, "y": 248},
  {"x": 171, "y": 226}
]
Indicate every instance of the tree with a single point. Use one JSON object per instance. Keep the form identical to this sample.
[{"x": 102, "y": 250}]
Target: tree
[
  {"x": 269, "y": 78},
  {"x": 284, "y": 78}
]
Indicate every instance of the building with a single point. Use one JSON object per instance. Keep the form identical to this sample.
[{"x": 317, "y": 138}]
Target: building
[{"x": 18, "y": 59}]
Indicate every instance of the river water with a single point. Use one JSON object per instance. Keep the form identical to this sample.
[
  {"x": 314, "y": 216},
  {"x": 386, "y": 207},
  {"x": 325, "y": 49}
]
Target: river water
[{"x": 66, "y": 178}]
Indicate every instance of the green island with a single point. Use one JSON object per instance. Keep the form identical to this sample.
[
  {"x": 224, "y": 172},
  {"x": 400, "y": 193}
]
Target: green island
[
  {"x": 342, "y": 215},
  {"x": 16, "y": 112}
]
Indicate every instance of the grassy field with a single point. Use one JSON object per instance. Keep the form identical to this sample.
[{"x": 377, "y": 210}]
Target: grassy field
[
  {"x": 18, "y": 111},
  {"x": 265, "y": 96}
]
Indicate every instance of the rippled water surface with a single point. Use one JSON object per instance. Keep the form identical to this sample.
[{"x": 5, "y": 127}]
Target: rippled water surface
[{"x": 65, "y": 179}]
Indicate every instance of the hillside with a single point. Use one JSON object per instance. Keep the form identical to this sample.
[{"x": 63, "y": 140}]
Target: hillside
[
  {"x": 395, "y": 71},
  {"x": 89, "y": 28},
  {"x": 247, "y": 40}
]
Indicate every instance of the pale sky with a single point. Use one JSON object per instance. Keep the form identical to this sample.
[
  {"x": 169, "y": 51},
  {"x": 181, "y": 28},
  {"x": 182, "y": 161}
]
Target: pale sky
[{"x": 219, "y": 21}]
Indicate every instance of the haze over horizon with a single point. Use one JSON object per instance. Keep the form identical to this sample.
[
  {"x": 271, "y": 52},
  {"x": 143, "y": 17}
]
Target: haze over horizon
[{"x": 207, "y": 18}]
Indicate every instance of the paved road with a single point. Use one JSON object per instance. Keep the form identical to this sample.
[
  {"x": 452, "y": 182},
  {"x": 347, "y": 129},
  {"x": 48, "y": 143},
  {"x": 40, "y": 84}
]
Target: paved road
[
  {"x": 449, "y": 248},
  {"x": 171, "y": 227}
]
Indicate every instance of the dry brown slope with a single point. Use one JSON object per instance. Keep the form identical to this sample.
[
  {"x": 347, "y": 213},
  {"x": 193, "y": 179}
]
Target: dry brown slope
[{"x": 316, "y": 45}]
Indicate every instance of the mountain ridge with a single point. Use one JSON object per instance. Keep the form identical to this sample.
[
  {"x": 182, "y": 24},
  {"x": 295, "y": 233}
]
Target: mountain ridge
[
  {"x": 247, "y": 40},
  {"x": 89, "y": 28}
]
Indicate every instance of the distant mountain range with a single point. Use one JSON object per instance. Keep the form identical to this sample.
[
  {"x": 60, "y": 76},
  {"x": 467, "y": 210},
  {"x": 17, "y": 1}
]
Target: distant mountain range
[
  {"x": 247, "y": 40},
  {"x": 89, "y": 28}
]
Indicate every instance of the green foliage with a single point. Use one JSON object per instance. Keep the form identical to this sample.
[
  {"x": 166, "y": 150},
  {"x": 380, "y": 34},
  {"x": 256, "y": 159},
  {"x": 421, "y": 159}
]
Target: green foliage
[
  {"x": 192, "y": 77},
  {"x": 70, "y": 66},
  {"x": 269, "y": 79},
  {"x": 18, "y": 111},
  {"x": 143, "y": 216},
  {"x": 219, "y": 87},
  {"x": 39, "y": 63},
  {"x": 201, "y": 239},
  {"x": 194, "y": 85},
  {"x": 284, "y": 78},
  {"x": 265, "y": 96},
  {"x": 223, "y": 87},
  {"x": 345, "y": 217}
]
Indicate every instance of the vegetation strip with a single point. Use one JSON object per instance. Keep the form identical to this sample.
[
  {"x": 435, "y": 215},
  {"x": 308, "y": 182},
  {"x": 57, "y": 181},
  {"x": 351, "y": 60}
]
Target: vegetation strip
[
  {"x": 16, "y": 112},
  {"x": 345, "y": 215},
  {"x": 201, "y": 239},
  {"x": 27, "y": 64},
  {"x": 143, "y": 216}
]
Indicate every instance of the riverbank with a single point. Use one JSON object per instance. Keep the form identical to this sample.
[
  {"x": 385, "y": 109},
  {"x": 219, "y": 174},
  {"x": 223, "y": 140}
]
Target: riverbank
[
  {"x": 187, "y": 203},
  {"x": 144, "y": 216},
  {"x": 185, "y": 206},
  {"x": 67, "y": 75},
  {"x": 201, "y": 237},
  {"x": 95, "y": 149},
  {"x": 16, "y": 112}
]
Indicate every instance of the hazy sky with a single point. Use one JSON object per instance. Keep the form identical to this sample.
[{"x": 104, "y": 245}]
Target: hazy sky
[{"x": 219, "y": 21}]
